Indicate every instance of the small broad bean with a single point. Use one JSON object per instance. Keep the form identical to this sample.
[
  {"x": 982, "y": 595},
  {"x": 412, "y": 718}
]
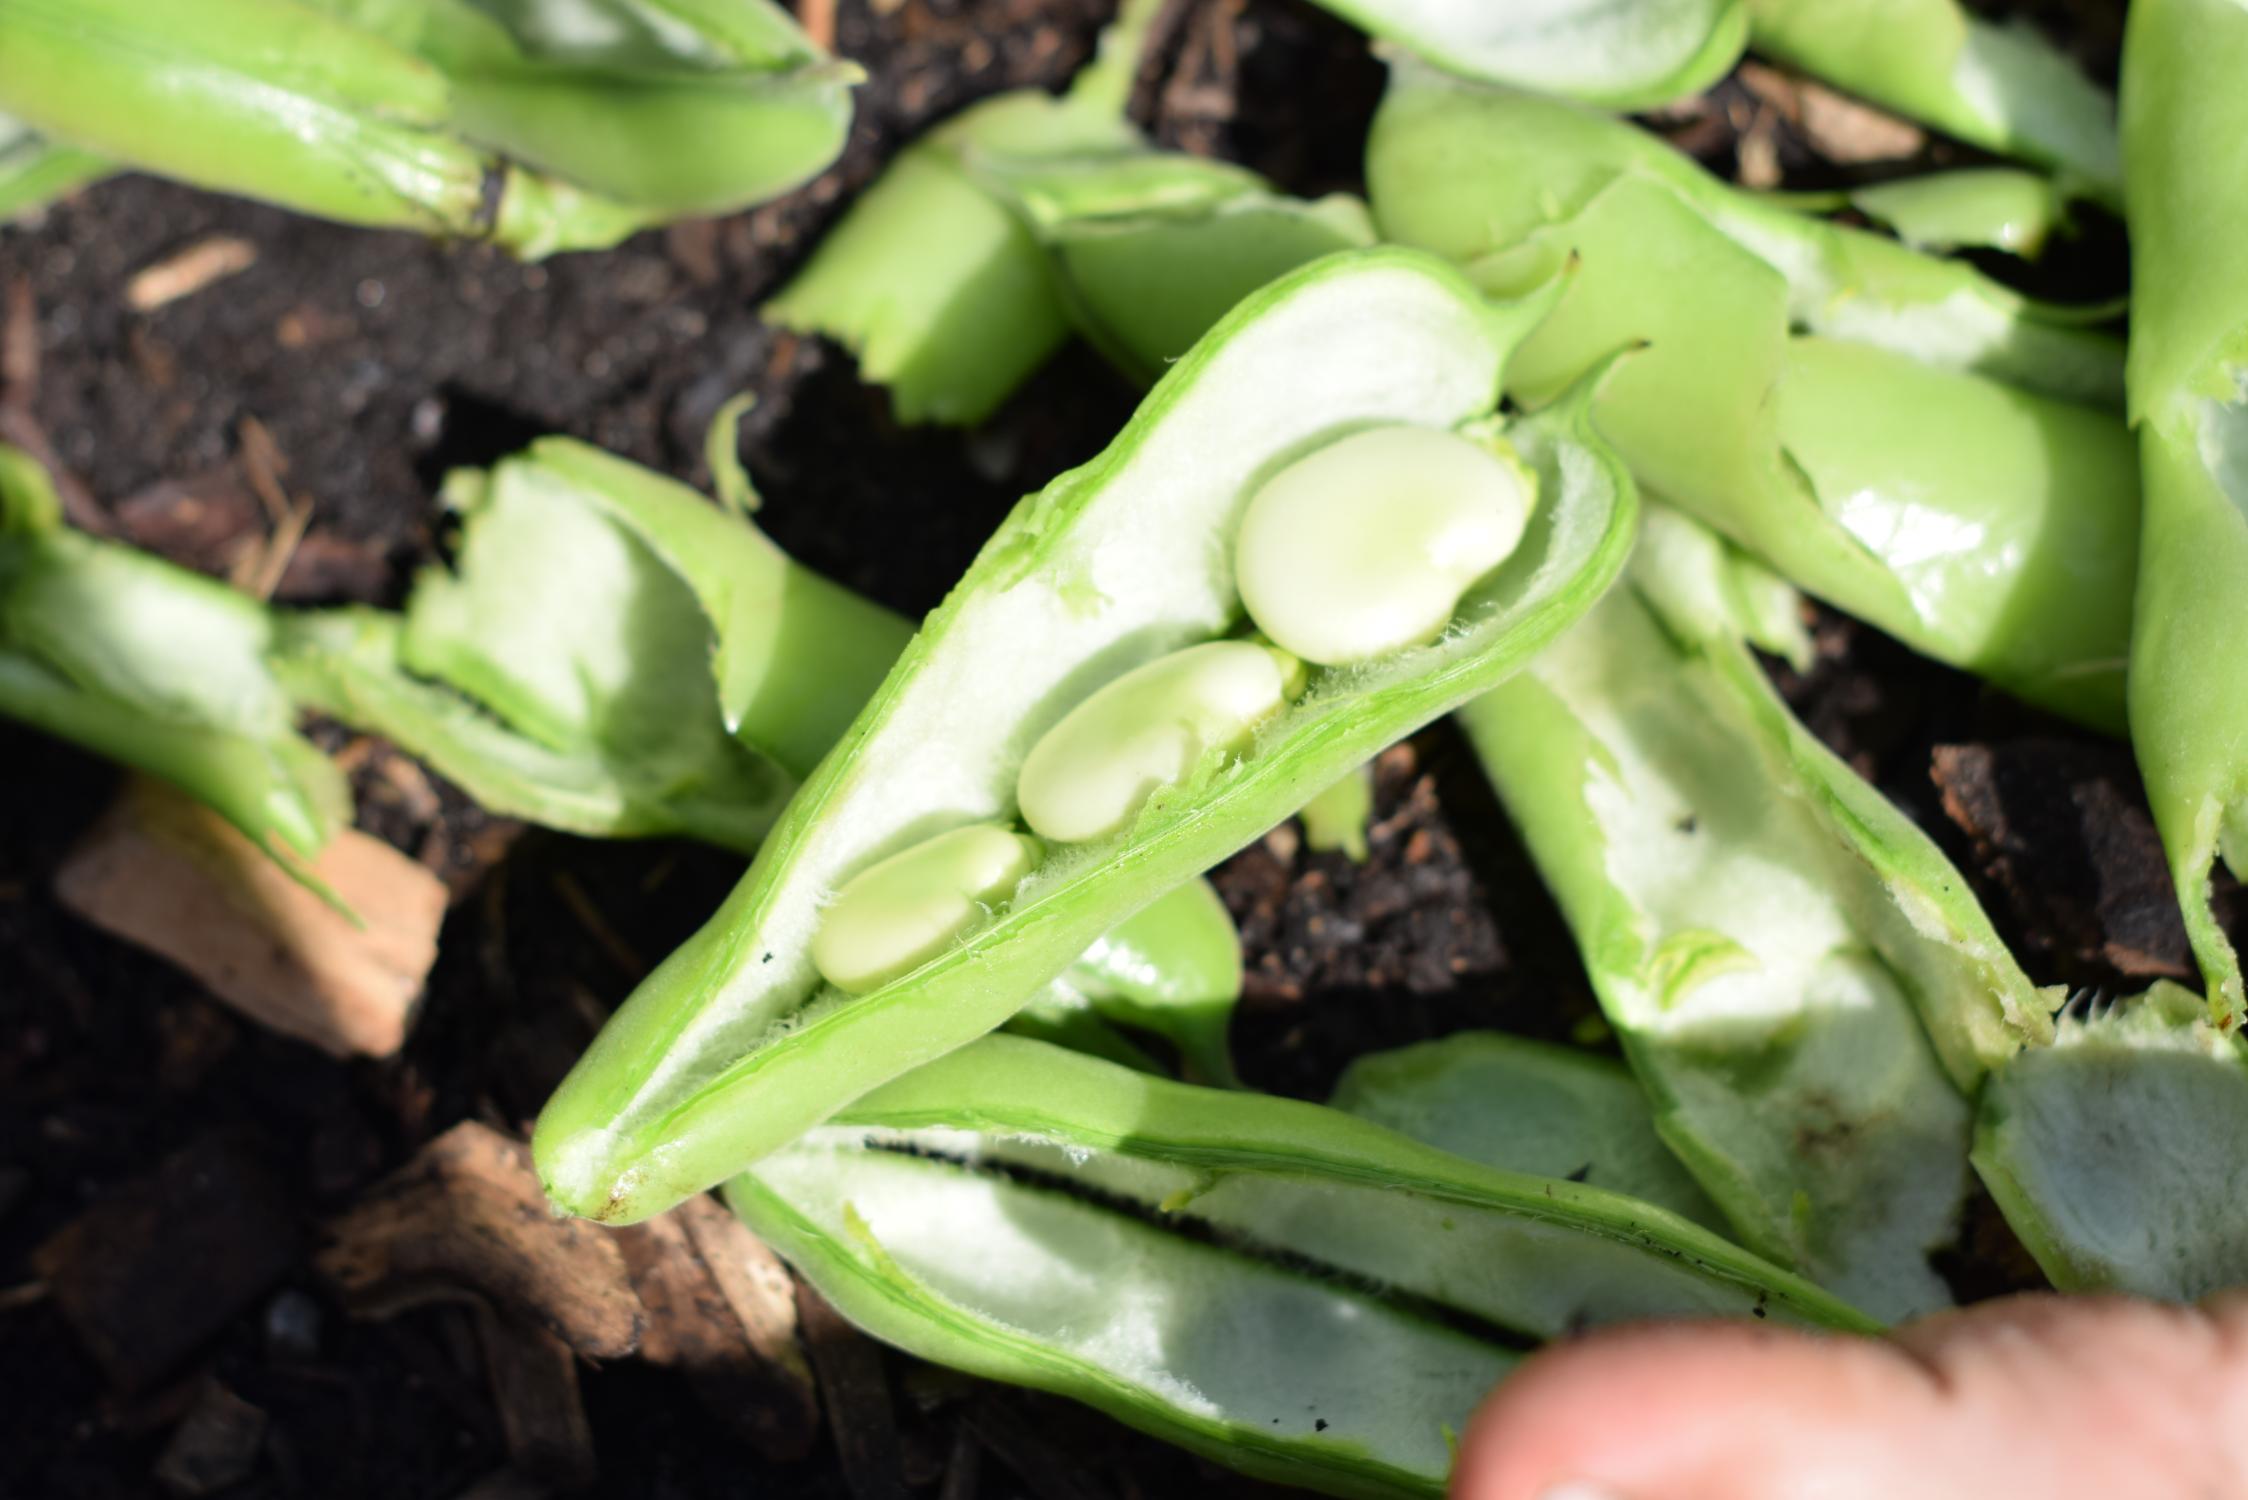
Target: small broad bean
[
  {"x": 1088, "y": 774},
  {"x": 895, "y": 916}
]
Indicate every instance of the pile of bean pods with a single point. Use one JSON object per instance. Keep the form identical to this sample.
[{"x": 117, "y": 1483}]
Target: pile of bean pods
[{"x": 1554, "y": 430}]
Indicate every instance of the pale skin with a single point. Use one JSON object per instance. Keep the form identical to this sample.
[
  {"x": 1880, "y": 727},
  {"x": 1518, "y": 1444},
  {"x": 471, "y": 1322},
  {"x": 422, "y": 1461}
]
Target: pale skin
[{"x": 2081, "y": 1398}]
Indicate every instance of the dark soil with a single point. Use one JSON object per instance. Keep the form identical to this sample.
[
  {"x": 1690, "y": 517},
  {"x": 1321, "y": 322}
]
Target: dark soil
[{"x": 189, "y": 1157}]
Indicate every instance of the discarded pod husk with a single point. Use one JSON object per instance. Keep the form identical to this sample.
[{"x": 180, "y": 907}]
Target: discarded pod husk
[
  {"x": 2185, "y": 131},
  {"x": 1030, "y": 216},
  {"x": 1800, "y": 980},
  {"x": 1891, "y": 432},
  {"x": 609, "y": 654},
  {"x": 733, "y": 1047},
  {"x": 1293, "y": 1292},
  {"x": 542, "y": 126},
  {"x": 157, "y": 668}
]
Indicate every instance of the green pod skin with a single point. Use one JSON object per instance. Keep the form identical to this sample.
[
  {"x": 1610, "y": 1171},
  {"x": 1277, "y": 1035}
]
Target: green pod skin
[
  {"x": 1801, "y": 981},
  {"x": 1622, "y": 57},
  {"x": 1484, "y": 175},
  {"x": 2185, "y": 131},
  {"x": 2115, "y": 1153},
  {"x": 158, "y": 668},
  {"x": 1337, "y": 820},
  {"x": 1531, "y": 1107},
  {"x": 732, "y": 1048},
  {"x": 1030, "y": 1239},
  {"x": 1918, "y": 479},
  {"x": 330, "y": 110},
  {"x": 1027, "y": 217},
  {"x": 2003, "y": 88}
]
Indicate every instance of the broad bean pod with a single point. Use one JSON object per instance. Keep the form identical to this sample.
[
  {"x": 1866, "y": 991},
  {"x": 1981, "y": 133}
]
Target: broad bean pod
[
  {"x": 1028, "y": 216},
  {"x": 542, "y": 126},
  {"x": 1801, "y": 981},
  {"x": 1288, "y": 1290},
  {"x": 158, "y": 668},
  {"x": 735, "y": 1046},
  {"x": 2185, "y": 124},
  {"x": 1916, "y": 454}
]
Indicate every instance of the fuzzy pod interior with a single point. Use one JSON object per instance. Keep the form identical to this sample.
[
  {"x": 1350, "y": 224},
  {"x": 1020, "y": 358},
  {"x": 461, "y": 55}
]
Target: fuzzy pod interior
[{"x": 2114, "y": 1153}]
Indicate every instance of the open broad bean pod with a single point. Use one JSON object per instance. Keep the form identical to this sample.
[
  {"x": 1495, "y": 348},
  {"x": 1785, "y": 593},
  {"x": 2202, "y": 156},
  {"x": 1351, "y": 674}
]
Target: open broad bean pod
[
  {"x": 1324, "y": 462},
  {"x": 1291, "y": 1291}
]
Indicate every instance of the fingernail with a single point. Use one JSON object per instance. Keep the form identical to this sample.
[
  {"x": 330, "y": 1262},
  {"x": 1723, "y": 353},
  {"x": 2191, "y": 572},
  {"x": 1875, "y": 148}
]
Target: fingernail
[{"x": 1578, "y": 1489}]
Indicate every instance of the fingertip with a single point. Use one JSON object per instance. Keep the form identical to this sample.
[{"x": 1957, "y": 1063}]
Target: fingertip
[{"x": 1637, "y": 1413}]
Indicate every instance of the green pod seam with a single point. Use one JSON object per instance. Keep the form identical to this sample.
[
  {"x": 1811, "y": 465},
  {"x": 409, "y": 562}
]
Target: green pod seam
[
  {"x": 1523, "y": 1106},
  {"x": 1906, "y": 479},
  {"x": 562, "y": 673},
  {"x": 2002, "y": 87},
  {"x": 1776, "y": 945},
  {"x": 731, "y": 1048},
  {"x": 1009, "y": 1210},
  {"x": 2185, "y": 131}
]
